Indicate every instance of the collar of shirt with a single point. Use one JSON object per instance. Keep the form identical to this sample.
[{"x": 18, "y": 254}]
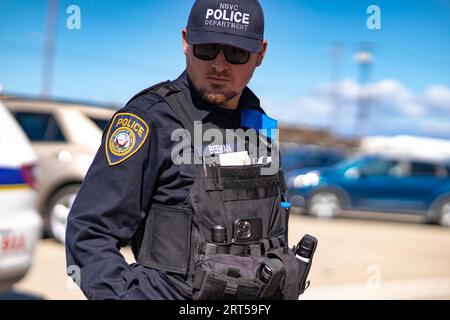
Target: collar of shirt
[{"x": 202, "y": 108}]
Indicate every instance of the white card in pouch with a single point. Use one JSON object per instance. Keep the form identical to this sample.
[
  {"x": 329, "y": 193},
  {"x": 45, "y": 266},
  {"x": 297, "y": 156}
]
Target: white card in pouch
[{"x": 234, "y": 159}]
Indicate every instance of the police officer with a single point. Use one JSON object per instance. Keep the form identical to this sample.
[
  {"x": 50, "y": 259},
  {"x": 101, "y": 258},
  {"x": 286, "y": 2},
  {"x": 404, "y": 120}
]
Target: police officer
[{"x": 135, "y": 193}]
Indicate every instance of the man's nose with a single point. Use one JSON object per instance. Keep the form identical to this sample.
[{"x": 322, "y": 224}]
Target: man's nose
[{"x": 220, "y": 63}]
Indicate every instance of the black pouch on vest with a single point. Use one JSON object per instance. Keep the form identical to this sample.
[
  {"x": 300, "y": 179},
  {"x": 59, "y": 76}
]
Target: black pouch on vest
[
  {"x": 290, "y": 285},
  {"x": 156, "y": 250},
  {"x": 232, "y": 277},
  {"x": 228, "y": 277}
]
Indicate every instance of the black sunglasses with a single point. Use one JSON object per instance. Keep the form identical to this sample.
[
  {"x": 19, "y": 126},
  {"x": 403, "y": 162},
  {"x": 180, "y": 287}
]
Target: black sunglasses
[{"x": 210, "y": 51}]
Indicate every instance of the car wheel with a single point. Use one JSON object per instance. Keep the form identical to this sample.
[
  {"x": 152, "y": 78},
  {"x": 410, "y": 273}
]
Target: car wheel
[
  {"x": 59, "y": 208},
  {"x": 324, "y": 204},
  {"x": 444, "y": 213}
]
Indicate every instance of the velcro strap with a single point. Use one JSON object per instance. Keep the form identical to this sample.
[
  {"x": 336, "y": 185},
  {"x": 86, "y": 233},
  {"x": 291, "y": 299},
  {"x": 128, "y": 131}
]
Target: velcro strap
[
  {"x": 255, "y": 250},
  {"x": 165, "y": 89},
  {"x": 238, "y": 249},
  {"x": 265, "y": 245},
  {"x": 231, "y": 288},
  {"x": 281, "y": 240},
  {"x": 246, "y": 172},
  {"x": 247, "y": 194},
  {"x": 275, "y": 243},
  {"x": 249, "y": 183},
  {"x": 198, "y": 279}
]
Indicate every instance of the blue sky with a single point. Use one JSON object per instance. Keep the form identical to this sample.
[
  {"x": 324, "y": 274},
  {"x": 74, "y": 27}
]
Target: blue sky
[{"x": 125, "y": 46}]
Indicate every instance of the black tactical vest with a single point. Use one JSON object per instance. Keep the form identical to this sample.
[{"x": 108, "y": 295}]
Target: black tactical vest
[{"x": 246, "y": 256}]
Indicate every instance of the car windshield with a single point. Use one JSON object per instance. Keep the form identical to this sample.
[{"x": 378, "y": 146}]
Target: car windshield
[{"x": 352, "y": 162}]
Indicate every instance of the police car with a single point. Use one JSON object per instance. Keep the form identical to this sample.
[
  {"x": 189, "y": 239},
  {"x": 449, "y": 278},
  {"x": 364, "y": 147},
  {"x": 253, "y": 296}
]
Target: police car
[{"x": 20, "y": 223}]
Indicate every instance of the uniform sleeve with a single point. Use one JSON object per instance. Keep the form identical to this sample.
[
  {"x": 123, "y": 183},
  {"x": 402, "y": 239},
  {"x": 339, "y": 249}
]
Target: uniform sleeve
[{"x": 111, "y": 205}]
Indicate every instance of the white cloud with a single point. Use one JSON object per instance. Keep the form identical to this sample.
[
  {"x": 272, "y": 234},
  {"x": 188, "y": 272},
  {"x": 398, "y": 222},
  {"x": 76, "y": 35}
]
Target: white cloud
[
  {"x": 389, "y": 95},
  {"x": 309, "y": 110},
  {"x": 347, "y": 89},
  {"x": 393, "y": 107},
  {"x": 435, "y": 126},
  {"x": 390, "y": 88},
  {"x": 312, "y": 105},
  {"x": 410, "y": 108},
  {"x": 437, "y": 96}
]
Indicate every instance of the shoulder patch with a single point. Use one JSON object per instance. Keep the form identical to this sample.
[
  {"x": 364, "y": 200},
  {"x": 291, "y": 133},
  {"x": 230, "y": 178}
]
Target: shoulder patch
[{"x": 126, "y": 135}]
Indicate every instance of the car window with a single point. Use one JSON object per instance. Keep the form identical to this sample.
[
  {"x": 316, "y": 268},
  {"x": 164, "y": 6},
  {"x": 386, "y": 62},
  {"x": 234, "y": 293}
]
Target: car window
[
  {"x": 40, "y": 126},
  {"x": 422, "y": 169},
  {"x": 101, "y": 123},
  {"x": 382, "y": 167},
  {"x": 352, "y": 162}
]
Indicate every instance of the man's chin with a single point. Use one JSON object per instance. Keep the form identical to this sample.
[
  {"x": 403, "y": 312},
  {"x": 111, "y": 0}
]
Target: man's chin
[
  {"x": 216, "y": 93},
  {"x": 215, "y": 97}
]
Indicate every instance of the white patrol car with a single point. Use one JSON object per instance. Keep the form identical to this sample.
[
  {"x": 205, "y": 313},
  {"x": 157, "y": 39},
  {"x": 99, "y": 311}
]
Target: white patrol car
[{"x": 20, "y": 223}]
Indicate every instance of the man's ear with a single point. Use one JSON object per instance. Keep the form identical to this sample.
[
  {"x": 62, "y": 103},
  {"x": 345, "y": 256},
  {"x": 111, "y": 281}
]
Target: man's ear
[
  {"x": 261, "y": 54},
  {"x": 185, "y": 44}
]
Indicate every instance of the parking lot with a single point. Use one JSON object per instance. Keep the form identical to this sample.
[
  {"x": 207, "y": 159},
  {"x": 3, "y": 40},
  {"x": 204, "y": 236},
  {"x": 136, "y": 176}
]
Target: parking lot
[{"x": 355, "y": 259}]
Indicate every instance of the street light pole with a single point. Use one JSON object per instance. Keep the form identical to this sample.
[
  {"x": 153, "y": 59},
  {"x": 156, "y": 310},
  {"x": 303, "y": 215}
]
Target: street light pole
[
  {"x": 334, "y": 90},
  {"x": 364, "y": 58}
]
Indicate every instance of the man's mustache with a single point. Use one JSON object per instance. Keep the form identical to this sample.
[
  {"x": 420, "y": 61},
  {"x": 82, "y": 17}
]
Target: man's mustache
[{"x": 219, "y": 75}]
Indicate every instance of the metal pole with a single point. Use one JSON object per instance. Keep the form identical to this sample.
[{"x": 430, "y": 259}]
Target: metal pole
[
  {"x": 334, "y": 91},
  {"x": 49, "y": 49},
  {"x": 364, "y": 59}
]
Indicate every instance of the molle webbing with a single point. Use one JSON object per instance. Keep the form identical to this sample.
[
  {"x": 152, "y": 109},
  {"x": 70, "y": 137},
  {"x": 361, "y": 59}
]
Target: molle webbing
[{"x": 254, "y": 249}]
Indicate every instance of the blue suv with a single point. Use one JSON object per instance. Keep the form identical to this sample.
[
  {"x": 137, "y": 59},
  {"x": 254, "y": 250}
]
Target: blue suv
[{"x": 383, "y": 183}]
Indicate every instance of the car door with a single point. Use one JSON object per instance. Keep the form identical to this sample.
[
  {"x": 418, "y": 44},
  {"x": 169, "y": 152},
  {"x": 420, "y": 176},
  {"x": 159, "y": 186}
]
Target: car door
[
  {"x": 421, "y": 184},
  {"x": 378, "y": 185}
]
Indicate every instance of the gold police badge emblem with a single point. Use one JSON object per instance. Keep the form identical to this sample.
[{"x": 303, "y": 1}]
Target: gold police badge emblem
[{"x": 126, "y": 135}]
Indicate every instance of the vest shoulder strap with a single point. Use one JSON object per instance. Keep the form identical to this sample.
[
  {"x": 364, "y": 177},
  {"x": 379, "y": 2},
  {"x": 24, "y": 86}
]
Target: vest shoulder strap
[{"x": 177, "y": 101}]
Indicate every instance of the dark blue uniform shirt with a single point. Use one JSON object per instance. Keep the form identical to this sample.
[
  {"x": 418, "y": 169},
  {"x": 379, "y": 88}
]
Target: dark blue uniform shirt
[{"x": 114, "y": 199}]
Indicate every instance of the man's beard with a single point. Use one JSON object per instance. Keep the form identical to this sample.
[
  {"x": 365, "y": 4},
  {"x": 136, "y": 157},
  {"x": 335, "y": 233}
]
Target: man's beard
[{"x": 217, "y": 97}]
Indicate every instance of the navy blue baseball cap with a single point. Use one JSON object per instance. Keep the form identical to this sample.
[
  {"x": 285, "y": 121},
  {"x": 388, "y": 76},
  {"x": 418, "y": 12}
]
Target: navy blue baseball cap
[{"x": 238, "y": 23}]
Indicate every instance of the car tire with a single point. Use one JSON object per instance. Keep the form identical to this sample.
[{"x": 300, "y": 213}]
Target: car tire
[
  {"x": 324, "y": 204},
  {"x": 58, "y": 211},
  {"x": 443, "y": 212}
]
